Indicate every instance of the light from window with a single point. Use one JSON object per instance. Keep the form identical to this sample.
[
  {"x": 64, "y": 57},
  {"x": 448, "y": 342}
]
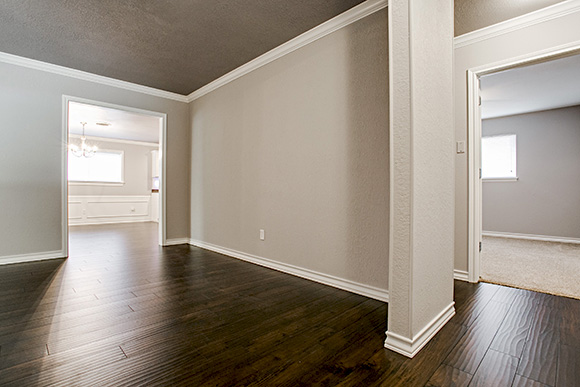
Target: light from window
[
  {"x": 498, "y": 157},
  {"x": 104, "y": 167}
]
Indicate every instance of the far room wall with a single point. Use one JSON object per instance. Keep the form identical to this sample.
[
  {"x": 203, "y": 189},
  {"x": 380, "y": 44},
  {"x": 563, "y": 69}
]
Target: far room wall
[
  {"x": 545, "y": 200},
  {"x": 131, "y": 201}
]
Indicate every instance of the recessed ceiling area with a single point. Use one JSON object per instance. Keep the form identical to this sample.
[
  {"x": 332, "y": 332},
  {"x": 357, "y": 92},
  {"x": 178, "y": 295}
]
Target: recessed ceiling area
[
  {"x": 172, "y": 45},
  {"x": 124, "y": 125},
  {"x": 541, "y": 86}
]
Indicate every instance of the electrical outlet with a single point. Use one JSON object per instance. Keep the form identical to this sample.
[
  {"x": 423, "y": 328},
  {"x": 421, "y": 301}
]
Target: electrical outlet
[{"x": 262, "y": 235}]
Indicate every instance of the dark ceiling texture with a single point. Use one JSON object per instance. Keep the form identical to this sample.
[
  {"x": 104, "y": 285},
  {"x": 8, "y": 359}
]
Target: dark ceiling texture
[{"x": 172, "y": 45}]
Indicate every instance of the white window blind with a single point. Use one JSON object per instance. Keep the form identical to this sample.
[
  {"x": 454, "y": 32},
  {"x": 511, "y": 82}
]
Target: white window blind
[
  {"x": 498, "y": 157},
  {"x": 106, "y": 166}
]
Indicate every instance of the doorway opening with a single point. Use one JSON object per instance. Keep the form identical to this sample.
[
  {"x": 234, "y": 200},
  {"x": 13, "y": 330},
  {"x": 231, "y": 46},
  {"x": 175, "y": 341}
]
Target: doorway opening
[
  {"x": 520, "y": 111},
  {"x": 113, "y": 168}
]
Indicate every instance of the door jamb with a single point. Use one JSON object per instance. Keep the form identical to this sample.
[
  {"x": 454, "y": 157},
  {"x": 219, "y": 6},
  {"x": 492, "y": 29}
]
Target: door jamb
[
  {"x": 474, "y": 140},
  {"x": 64, "y": 163}
]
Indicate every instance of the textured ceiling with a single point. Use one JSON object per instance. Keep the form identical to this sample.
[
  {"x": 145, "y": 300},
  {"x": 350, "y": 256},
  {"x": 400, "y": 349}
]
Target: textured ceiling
[
  {"x": 124, "y": 125},
  {"x": 173, "y": 45},
  {"x": 541, "y": 86}
]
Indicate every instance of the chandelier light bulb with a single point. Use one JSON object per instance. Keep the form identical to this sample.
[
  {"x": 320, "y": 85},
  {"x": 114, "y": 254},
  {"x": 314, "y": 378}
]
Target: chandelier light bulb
[{"x": 84, "y": 150}]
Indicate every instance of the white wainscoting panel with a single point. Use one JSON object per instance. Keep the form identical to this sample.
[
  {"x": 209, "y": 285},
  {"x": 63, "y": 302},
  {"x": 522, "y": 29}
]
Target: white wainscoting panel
[{"x": 108, "y": 209}]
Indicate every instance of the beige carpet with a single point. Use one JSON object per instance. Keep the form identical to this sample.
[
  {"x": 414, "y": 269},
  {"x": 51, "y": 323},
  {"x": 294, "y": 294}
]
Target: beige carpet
[{"x": 547, "y": 267}]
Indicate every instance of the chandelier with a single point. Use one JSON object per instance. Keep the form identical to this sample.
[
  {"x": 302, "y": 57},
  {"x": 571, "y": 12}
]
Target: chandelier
[{"x": 84, "y": 150}]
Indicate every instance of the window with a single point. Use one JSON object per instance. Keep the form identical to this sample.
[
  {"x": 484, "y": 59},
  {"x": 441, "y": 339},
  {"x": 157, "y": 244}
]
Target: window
[
  {"x": 106, "y": 166},
  {"x": 498, "y": 157}
]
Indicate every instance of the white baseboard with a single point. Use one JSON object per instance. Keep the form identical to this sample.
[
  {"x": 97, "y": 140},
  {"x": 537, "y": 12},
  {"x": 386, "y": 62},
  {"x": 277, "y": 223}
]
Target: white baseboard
[
  {"x": 10, "y": 259},
  {"x": 340, "y": 283},
  {"x": 532, "y": 237},
  {"x": 461, "y": 275},
  {"x": 176, "y": 241},
  {"x": 410, "y": 347}
]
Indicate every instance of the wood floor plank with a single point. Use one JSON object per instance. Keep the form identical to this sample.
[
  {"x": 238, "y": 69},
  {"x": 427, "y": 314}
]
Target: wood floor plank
[
  {"x": 511, "y": 336},
  {"x": 122, "y": 311},
  {"x": 520, "y": 381},
  {"x": 472, "y": 347},
  {"x": 568, "y": 373},
  {"x": 496, "y": 369},
  {"x": 447, "y": 376},
  {"x": 539, "y": 359}
]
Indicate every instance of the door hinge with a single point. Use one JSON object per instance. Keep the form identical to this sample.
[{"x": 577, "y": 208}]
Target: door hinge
[
  {"x": 480, "y": 247},
  {"x": 480, "y": 100},
  {"x": 480, "y": 173}
]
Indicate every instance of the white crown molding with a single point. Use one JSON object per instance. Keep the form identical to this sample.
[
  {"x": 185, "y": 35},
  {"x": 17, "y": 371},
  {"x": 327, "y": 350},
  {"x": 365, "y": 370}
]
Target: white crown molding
[
  {"x": 517, "y": 23},
  {"x": 85, "y": 76},
  {"x": 176, "y": 241},
  {"x": 348, "y": 17},
  {"x": 461, "y": 275},
  {"x": 410, "y": 348},
  {"x": 116, "y": 140},
  {"x": 340, "y": 283},
  {"x": 531, "y": 237},
  {"x": 7, "y": 260}
]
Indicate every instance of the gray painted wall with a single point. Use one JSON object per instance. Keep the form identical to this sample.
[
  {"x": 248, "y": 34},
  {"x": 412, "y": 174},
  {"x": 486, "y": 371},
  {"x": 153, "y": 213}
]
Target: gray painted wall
[
  {"x": 30, "y": 177},
  {"x": 546, "y": 198},
  {"x": 299, "y": 148},
  {"x": 471, "y": 15},
  {"x": 137, "y": 171}
]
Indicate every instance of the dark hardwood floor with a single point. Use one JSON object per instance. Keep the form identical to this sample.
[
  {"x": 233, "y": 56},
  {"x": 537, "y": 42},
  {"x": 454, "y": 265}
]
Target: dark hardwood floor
[{"x": 122, "y": 311}]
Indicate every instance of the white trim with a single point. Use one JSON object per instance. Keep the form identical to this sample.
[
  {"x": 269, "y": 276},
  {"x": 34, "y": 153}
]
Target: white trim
[
  {"x": 85, "y": 76},
  {"x": 410, "y": 347},
  {"x": 461, "y": 275},
  {"x": 475, "y": 183},
  {"x": 64, "y": 177},
  {"x": 117, "y": 140},
  {"x": 111, "y": 222},
  {"x": 176, "y": 241},
  {"x": 340, "y": 283},
  {"x": 532, "y": 237},
  {"x": 344, "y": 19},
  {"x": 499, "y": 179},
  {"x": 564, "y": 50},
  {"x": 97, "y": 183},
  {"x": 162, "y": 155},
  {"x": 552, "y": 12},
  {"x": 7, "y": 260},
  {"x": 99, "y": 202}
]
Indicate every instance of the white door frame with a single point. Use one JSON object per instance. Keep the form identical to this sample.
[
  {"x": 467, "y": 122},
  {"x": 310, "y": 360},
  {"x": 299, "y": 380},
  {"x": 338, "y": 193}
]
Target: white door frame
[
  {"x": 474, "y": 140},
  {"x": 162, "y": 156}
]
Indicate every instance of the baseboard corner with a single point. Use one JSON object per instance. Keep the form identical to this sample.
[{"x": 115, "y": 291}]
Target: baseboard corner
[
  {"x": 461, "y": 275},
  {"x": 176, "y": 241},
  {"x": 410, "y": 347}
]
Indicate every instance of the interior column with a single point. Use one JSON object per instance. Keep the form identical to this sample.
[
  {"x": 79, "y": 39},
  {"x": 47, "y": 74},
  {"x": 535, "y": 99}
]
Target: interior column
[{"x": 421, "y": 172}]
